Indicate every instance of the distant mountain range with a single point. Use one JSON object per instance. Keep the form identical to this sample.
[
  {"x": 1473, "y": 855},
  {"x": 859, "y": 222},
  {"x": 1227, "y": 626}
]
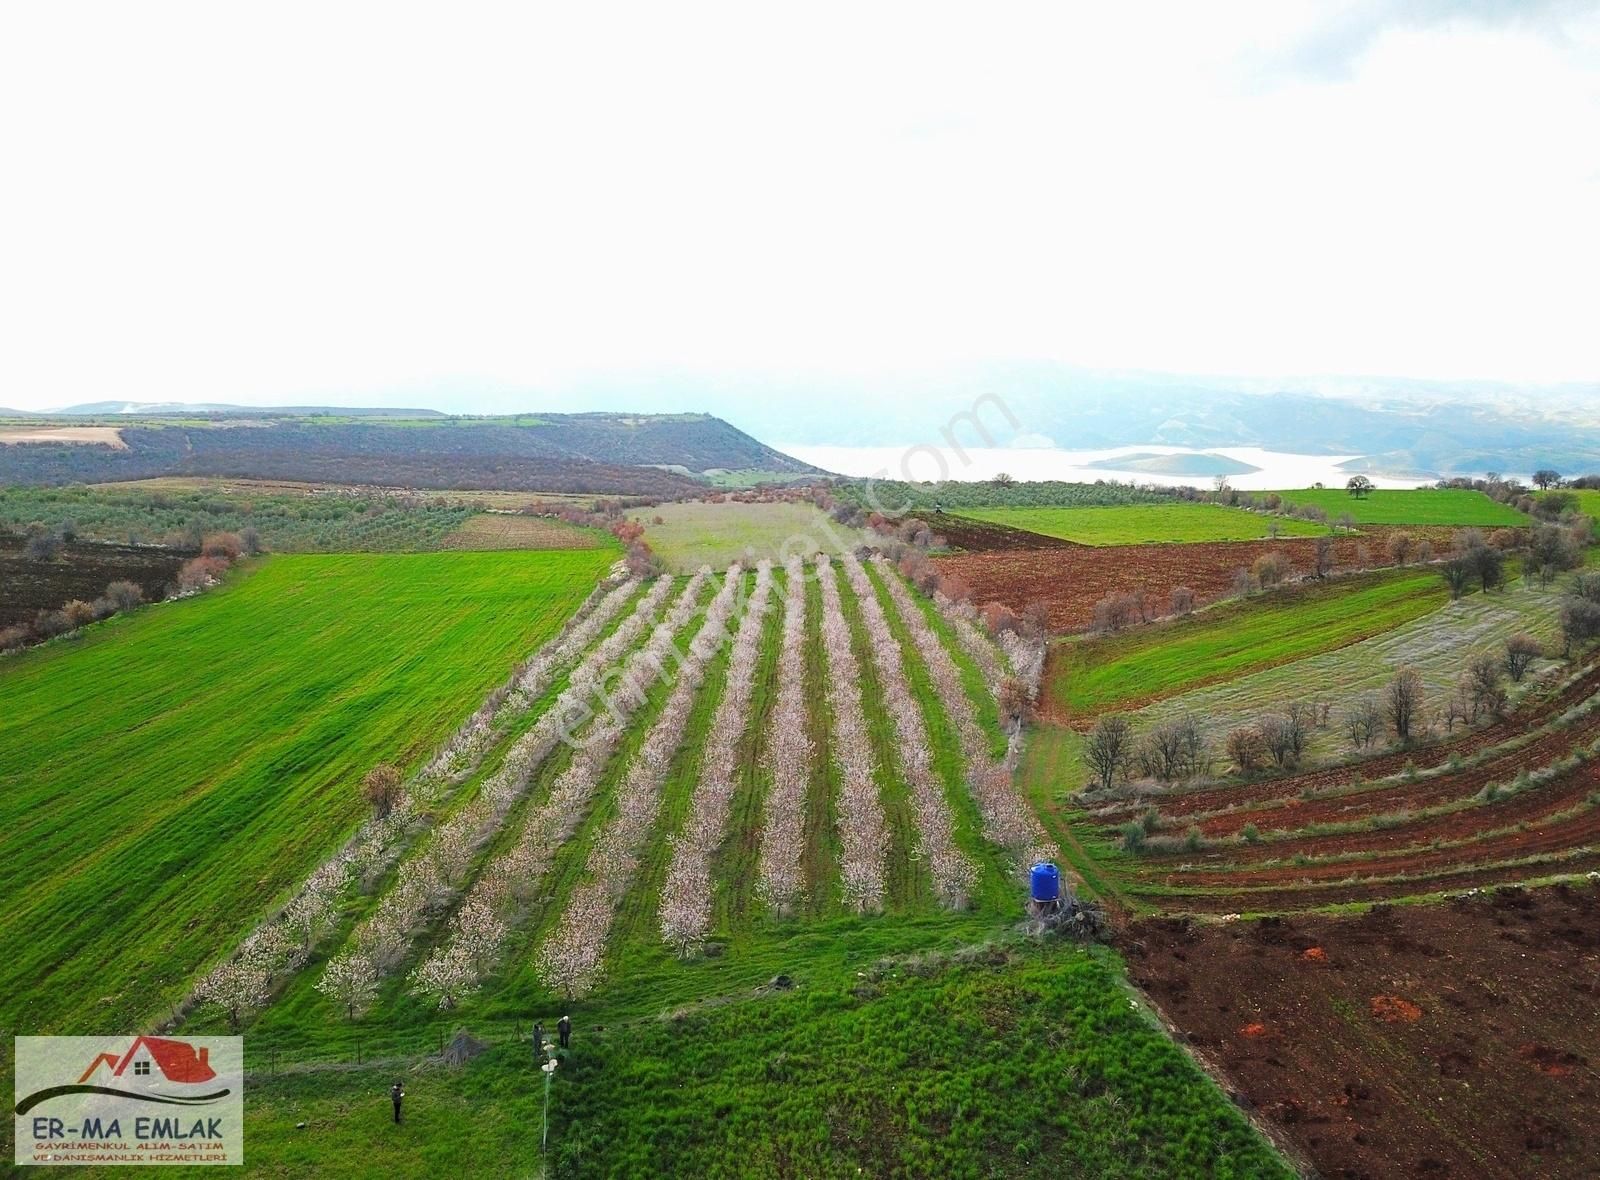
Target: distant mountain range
[
  {"x": 1398, "y": 427},
  {"x": 623, "y": 454}
]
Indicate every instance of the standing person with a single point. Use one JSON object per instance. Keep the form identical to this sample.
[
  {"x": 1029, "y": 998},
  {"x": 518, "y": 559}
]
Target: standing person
[
  {"x": 396, "y": 1093},
  {"x": 538, "y": 1040},
  {"x": 564, "y": 1027}
]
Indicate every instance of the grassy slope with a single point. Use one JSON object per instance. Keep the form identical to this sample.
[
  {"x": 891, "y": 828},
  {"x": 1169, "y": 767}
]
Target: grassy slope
[
  {"x": 1102, "y": 673},
  {"x": 174, "y": 771},
  {"x": 1145, "y": 523},
  {"x": 1440, "y": 506},
  {"x": 1437, "y": 644}
]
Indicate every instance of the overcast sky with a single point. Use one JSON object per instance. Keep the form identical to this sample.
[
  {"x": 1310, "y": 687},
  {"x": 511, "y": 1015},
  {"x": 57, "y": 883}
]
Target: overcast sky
[{"x": 374, "y": 203}]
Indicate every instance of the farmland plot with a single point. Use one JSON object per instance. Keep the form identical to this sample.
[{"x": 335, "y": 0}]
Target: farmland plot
[
  {"x": 515, "y": 880},
  {"x": 1438, "y": 645},
  {"x": 132, "y": 791}
]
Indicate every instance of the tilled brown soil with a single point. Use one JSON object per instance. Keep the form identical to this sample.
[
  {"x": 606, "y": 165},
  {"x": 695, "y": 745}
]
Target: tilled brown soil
[
  {"x": 82, "y": 571},
  {"x": 1072, "y": 578},
  {"x": 1453, "y": 1040}
]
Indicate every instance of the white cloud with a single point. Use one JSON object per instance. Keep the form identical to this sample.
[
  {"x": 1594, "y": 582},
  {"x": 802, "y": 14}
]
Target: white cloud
[{"x": 344, "y": 202}]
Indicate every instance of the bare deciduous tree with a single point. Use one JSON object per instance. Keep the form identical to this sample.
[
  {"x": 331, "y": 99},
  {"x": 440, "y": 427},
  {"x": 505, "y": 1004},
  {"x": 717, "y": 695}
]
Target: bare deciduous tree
[
  {"x": 1401, "y": 547},
  {"x": 1109, "y": 748},
  {"x": 1521, "y": 650},
  {"x": 1246, "y": 748},
  {"x": 1363, "y": 722},
  {"x": 1402, "y": 703}
]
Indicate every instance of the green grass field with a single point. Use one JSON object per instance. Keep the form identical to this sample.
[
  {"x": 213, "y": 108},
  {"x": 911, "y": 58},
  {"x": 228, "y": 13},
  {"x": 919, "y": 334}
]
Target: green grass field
[
  {"x": 695, "y": 534},
  {"x": 167, "y": 775},
  {"x": 1438, "y": 506},
  {"x": 1108, "y": 673},
  {"x": 1145, "y": 524}
]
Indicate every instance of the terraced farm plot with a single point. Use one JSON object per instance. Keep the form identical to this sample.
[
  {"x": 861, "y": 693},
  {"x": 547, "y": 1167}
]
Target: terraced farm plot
[
  {"x": 1438, "y": 644},
  {"x": 1114, "y": 673},
  {"x": 694, "y": 534},
  {"x": 1414, "y": 506},
  {"x": 1145, "y": 524},
  {"x": 173, "y": 771}
]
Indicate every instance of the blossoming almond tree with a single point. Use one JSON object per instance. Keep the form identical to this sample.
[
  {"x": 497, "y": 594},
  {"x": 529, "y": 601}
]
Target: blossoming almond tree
[
  {"x": 571, "y": 958},
  {"x": 1007, "y": 820},
  {"x": 431, "y": 877},
  {"x": 863, "y": 837},
  {"x": 788, "y": 755},
  {"x": 508, "y": 882},
  {"x": 954, "y": 874},
  {"x": 282, "y": 944},
  {"x": 686, "y": 896}
]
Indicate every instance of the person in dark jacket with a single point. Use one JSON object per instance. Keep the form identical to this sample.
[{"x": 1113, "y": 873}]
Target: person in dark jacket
[
  {"x": 538, "y": 1040},
  {"x": 564, "y": 1027},
  {"x": 396, "y": 1093}
]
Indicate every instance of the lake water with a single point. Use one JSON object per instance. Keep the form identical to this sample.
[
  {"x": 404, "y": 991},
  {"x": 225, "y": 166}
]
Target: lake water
[{"x": 1278, "y": 469}]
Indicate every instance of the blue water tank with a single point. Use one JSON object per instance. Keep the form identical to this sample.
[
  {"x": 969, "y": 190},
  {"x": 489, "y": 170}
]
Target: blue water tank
[{"x": 1046, "y": 881}]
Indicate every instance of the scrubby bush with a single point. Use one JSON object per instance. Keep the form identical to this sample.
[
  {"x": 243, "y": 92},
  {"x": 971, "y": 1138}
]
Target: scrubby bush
[
  {"x": 124, "y": 595},
  {"x": 1246, "y": 749}
]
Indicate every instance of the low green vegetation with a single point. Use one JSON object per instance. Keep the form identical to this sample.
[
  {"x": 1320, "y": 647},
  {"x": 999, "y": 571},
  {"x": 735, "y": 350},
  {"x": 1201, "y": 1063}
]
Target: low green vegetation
[
  {"x": 1004, "y": 1064},
  {"x": 287, "y": 521},
  {"x": 1108, "y": 673},
  {"x": 947, "y": 1060},
  {"x": 166, "y": 775},
  {"x": 1146, "y": 524},
  {"x": 1418, "y": 506},
  {"x": 689, "y": 535}
]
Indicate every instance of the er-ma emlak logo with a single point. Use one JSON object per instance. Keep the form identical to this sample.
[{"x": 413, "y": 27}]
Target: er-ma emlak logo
[{"x": 147, "y": 1071}]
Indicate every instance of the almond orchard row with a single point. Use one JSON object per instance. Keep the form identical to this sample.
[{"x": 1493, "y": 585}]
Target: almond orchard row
[{"x": 429, "y": 893}]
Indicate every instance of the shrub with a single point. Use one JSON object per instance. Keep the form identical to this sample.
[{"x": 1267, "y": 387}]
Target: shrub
[
  {"x": 124, "y": 595},
  {"x": 43, "y": 547},
  {"x": 1521, "y": 650},
  {"x": 1133, "y": 837},
  {"x": 227, "y": 546},
  {"x": 78, "y": 613},
  {"x": 1271, "y": 569},
  {"x": 1250, "y": 834},
  {"x": 1193, "y": 841},
  {"x": 381, "y": 788},
  {"x": 199, "y": 572},
  {"x": 1182, "y": 600}
]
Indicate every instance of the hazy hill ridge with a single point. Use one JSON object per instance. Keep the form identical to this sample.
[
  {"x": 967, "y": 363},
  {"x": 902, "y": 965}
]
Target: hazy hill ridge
[{"x": 637, "y": 454}]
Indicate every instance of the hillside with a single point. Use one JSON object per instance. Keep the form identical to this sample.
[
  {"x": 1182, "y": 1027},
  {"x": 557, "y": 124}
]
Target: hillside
[{"x": 661, "y": 455}]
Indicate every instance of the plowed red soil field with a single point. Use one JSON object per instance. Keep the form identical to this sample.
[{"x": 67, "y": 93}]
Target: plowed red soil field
[
  {"x": 1070, "y": 580},
  {"x": 1454, "y": 1040}
]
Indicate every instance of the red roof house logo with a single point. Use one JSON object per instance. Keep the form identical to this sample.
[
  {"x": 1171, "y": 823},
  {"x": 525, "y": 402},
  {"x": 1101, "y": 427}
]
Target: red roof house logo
[{"x": 176, "y": 1060}]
